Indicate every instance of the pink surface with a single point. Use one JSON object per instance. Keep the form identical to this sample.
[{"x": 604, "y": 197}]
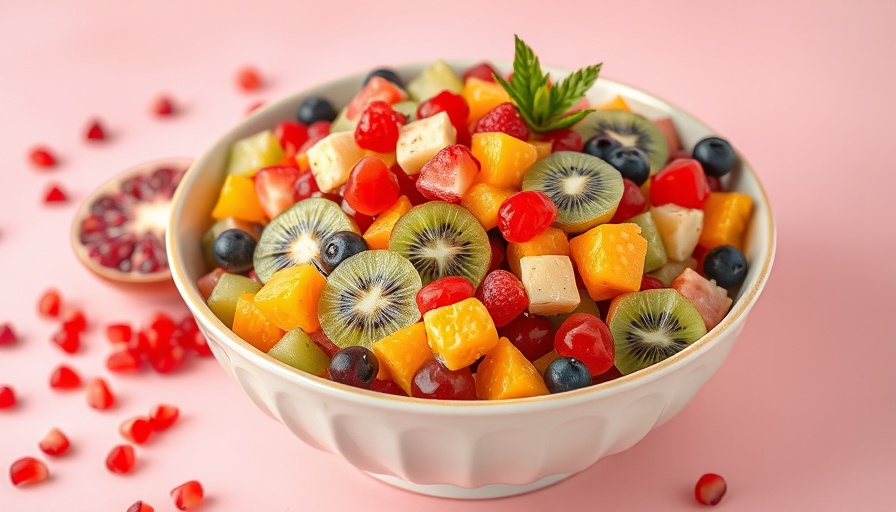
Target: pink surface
[{"x": 801, "y": 416}]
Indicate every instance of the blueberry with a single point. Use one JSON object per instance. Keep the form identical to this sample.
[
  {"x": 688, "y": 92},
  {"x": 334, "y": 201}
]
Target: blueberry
[
  {"x": 566, "y": 374},
  {"x": 356, "y": 366},
  {"x": 601, "y": 146},
  {"x": 631, "y": 163},
  {"x": 338, "y": 247},
  {"x": 386, "y": 73},
  {"x": 315, "y": 109},
  {"x": 233, "y": 250},
  {"x": 715, "y": 155},
  {"x": 727, "y": 265}
]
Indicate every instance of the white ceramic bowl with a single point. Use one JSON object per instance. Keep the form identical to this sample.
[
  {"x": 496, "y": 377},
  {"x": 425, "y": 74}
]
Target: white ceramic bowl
[{"x": 461, "y": 449}]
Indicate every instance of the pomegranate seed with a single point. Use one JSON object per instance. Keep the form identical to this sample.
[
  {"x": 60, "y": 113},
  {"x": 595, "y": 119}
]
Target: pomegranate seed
[
  {"x": 121, "y": 459},
  {"x": 54, "y": 443},
  {"x": 136, "y": 430},
  {"x": 168, "y": 361},
  {"x": 7, "y": 335},
  {"x": 504, "y": 118},
  {"x": 446, "y": 101},
  {"x": 98, "y": 395},
  {"x": 74, "y": 321},
  {"x": 140, "y": 506},
  {"x": 55, "y": 194},
  {"x": 68, "y": 341},
  {"x": 710, "y": 489},
  {"x": 42, "y": 157},
  {"x": 119, "y": 333},
  {"x": 503, "y": 296},
  {"x": 444, "y": 292},
  {"x": 63, "y": 377},
  {"x": 95, "y": 131},
  {"x": 123, "y": 359},
  {"x": 248, "y": 79},
  {"x": 378, "y": 127},
  {"x": 7, "y": 397},
  {"x": 163, "y": 106},
  {"x": 525, "y": 215},
  {"x": 163, "y": 416},
  {"x": 564, "y": 140},
  {"x": 188, "y": 495},
  {"x": 371, "y": 187},
  {"x": 162, "y": 324},
  {"x": 27, "y": 471},
  {"x": 200, "y": 345},
  {"x": 483, "y": 71},
  {"x": 651, "y": 283}
]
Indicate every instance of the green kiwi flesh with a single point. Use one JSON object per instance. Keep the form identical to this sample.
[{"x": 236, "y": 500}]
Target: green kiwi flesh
[{"x": 631, "y": 130}]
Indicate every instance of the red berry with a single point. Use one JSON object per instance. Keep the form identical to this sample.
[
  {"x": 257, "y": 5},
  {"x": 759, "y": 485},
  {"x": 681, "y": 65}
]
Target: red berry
[
  {"x": 63, "y": 377},
  {"x": 564, "y": 140},
  {"x": 162, "y": 324},
  {"x": 42, "y": 157},
  {"x": 525, "y": 215},
  {"x": 7, "y": 397},
  {"x": 98, "y": 395},
  {"x": 444, "y": 292},
  {"x": 632, "y": 203},
  {"x": 49, "y": 303},
  {"x": 163, "y": 106},
  {"x": 121, "y": 459},
  {"x": 378, "y": 128},
  {"x": 248, "y": 79},
  {"x": 163, "y": 416},
  {"x": 408, "y": 185},
  {"x": 714, "y": 184},
  {"x": 504, "y": 118},
  {"x": 292, "y": 135},
  {"x": 168, "y": 361},
  {"x": 449, "y": 174},
  {"x": 27, "y": 471},
  {"x": 95, "y": 131},
  {"x": 387, "y": 386},
  {"x": 682, "y": 182},
  {"x": 136, "y": 430},
  {"x": 275, "y": 187},
  {"x": 74, "y": 321},
  {"x": 446, "y": 101},
  {"x": 483, "y": 71},
  {"x": 7, "y": 335},
  {"x": 588, "y": 339},
  {"x": 533, "y": 335},
  {"x": 119, "y": 333},
  {"x": 503, "y": 296},
  {"x": 319, "y": 129},
  {"x": 434, "y": 380},
  {"x": 363, "y": 221},
  {"x": 54, "y": 443},
  {"x": 140, "y": 506},
  {"x": 55, "y": 194},
  {"x": 710, "y": 489},
  {"x": 188, "y": 495},
  {"x": 123, "y": 359},
  {"x": 371, "y": 186},
  {"x": 497, "y": 244},
  {"x": 651, "y": 283},
  {"x": 305, "y": 186},
  {"x": 199, "y": 345},
  {"x": 68, "y": 341}
]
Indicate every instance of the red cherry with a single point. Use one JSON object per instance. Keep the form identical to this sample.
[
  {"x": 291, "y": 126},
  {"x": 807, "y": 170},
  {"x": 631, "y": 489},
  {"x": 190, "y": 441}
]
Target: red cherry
[
  {"x": 533, "y": 335},
  {"x": 371, "y": 186},
  {"x": 446, "y": 101},
  {"x": 631, "y": 204},
  {"x": 434, "y": 380},
  {"x": 444, "y": 292},
  {"x": 651, "y": 283},
  {"x": 588, "y": 339},
  {"x": 41, "y": 156},
  {"x": 682, "y": 182},
  {"x": 525, "y": 215}
]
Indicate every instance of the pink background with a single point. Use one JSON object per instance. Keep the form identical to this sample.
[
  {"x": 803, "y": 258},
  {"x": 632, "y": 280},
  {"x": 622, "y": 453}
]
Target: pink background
[{"x": 800, "y": 417}]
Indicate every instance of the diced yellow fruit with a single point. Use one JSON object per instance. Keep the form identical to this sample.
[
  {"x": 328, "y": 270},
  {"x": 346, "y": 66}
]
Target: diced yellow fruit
[
  {"x": 387, "y": 158},
  {"x": 377, "y": 235},
  {"x": 249, "y": 155},
  {"x": 239, "y": 200},
  {"x": 610, "y": 259},
  {"x": 552, "y": 241},
  {"x": 251, "y": 325},
  {"x": 483, "y": 201},
  {"x": 461, "y": 333},
  {"x": 725, "y": 218},
  {"x": 541, "y": 364},
  {"x": 289, "y": 298},
  {"x": 436, "y": 78},
  {"x": 550, "y": 284},
  {"x": 504, "y": 159},
  {"x": 542, "y": 148},
  {"x": 332, "y": 158},
  {"x": 506, "y": 373},
  {"x": 617, "y": 103},
  {"x": 403, "y": 353},
  {"x": 482, "y": 96}
]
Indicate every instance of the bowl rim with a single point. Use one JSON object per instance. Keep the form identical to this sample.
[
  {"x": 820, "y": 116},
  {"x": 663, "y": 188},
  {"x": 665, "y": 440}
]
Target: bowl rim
[{"x": 224, "y": 335}]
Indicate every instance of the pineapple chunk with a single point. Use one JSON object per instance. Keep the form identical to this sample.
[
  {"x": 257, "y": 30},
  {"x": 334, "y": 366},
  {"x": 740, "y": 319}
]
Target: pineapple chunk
[
  {"x": 679, "y": 228},
  {"x": 332, "y": 159},
  {"x": 249, "y": 155},
  {"x": 419, "y": 141},
  {"x": 433, "y": 80},
  {"x": 550, "y": 283}
]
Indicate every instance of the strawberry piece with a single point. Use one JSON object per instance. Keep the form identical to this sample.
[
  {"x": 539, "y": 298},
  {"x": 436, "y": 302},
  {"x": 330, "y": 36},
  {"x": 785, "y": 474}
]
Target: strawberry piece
[
  {"x": 54, "y": 443},
  {"x": 140, "y": 506},
  {"x": 99, "y": 396},
  {"x": 444, "y": 292},
  {"x": 163, "y": 106},
  {"x": 163, "y": 416},
  {"x": 292, "y": 135},
  {"x": 74, "y": 321},
  {"x": 564, "y": 140},
  {"x": 121, "y": 459},
  {"x": 525, "y": 215},
  {"x": 504, "y": 118},
  {"x": 55, "y": 194},
  {"x": 378, "y": 128},
  {"x": 248, "y": 79},
  {"x": 187, "y": 496},
  {"x": 711, "y": 300},
  {"x": 68, "y": 341},
  {"x": 449, "y": 174},
  {"x": 136, "y": 430},
  {"x": 119, "y": 333},
  {"x": 377, "y": 89},
  {"x": 7, "y": 335},
  {"x": 371, "y": 187},
  {"x": 276, "y": 188},
  {"x": 63, "y": 377},
  {"x": 95, "y": 131},
  {"x": 42, "y": 157},
  {"x": 7, "y": 397},
  {"x": 49, "y": 303},
  {"x": 452, "y": 104},
  {"x": 27, "y": 471},
  {"x": 123, "y": 359},
  {"x": 482, "y": 71},
  {"x": 710, "y": 489},
  {"x": 503, "y": 296},
  {"x": 682, "y": 182}
]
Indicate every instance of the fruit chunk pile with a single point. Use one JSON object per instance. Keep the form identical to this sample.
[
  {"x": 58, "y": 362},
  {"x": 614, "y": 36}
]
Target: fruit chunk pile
[{"x": 442, "y": 238}]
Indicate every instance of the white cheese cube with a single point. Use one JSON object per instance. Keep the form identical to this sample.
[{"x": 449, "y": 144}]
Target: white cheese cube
[
  {"x": 550, "y": 284},
  {"x": 680, "y": 229},
  {"x": 419, "y": 141},
  {"x": 332, "y": 159}
]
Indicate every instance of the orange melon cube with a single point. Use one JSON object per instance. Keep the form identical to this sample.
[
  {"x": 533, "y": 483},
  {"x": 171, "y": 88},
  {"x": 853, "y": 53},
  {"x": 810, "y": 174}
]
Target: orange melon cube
[
  {"x": 504, "y": 159},
  {"x": 725, "y": 218},
  {"x": 289, "y": 298},
  {"x": 251, "y": 325},
  {"x": 482, "y": 96},
  {"x": 403, "y": 353},
  {"x": 461, "y": 333},
  {"x": 552, "y": 242},
  {"x": 239, "y": 200},
  {"x": 542, "y": 148},
  {"x": 506, "y": 373},
  {"x": 377, "y": 235},
  {"x": 617, "y": 103},
  {"x": 610, "y": 259},
  {"x": 483, "y": 201}
]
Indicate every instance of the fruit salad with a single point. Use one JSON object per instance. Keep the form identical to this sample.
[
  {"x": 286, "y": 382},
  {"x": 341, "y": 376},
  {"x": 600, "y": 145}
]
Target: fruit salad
[{"x": 474, "y": 237}]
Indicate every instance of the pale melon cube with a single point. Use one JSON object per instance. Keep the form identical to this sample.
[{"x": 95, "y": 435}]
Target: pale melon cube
[
  {"x": 332, "y": 159},
  {"x": 550, "y": 283},
  {"x": 668, "y": 272},
  {"x": 680, "y": 229},
  {"x": 419, "y": 141},
  {"x": 250, "y": 154},
  {"x": 433, "y": 80}
]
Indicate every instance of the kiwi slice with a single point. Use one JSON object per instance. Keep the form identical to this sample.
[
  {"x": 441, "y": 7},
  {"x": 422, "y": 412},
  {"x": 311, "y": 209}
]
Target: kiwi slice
[
  {"x": 294, "y": 237},
  {"x": 585, "y": 189},
  {"x": 631, "y": 130},
  {"x": 368, "y": 297},
  {"x": 652, "y": 325},
  {"x": 442, "y": 239}
]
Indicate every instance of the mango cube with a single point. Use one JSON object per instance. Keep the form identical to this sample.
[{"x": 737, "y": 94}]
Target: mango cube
[
  {"x": 289, "y": 298},
  {"x": 543, "y": 148},
  {"x": 550, "y": 283},
  {"x": 239, "y": 200},
  {"x": 504, "y": 159},
  {"x": 251, "y": 325},
  {"x": 421, "y": 140},
  {"x": 552, "y": 241},
  {"x": 610, "y": 259},
  {"x": 483, "y": 201},
  {"x": 403, "y": 353},
  {"x": 377, "y": 235},
  {"x": 506, "y": 373},
  {"x": 725, "y": 218},
  {"x": 482, "y": 96},
  {"x": 461, "y": 333},
  {"x": 332, "y": 159},
  {"x": 617, "y": 103}
]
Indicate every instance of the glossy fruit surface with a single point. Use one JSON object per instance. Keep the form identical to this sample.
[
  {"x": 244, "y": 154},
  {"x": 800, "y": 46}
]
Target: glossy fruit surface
[
  {"x": 588, "y": 339},
  {"x": 601, "y": 146},
  {"x": 27, "y": 471},
  {"x": 187, "y": 496},
  {"x": 121, "y": 459},
  {"x": 371, "y": 186},
  {"x": 710, "y": 489},
  {"x": 503, "y": 296},
  {"x": 356, "y": 366},
  {"x": 504, "y": 118},
  {"x": 631, "y": 204},
  {"x": 315, "y": 109},
  {"x": 564, "y": 140},
  {"x": 55, "y": 443},
  {"x": 715, "y": 155},
  {"x": 446, "y": 101},
  {"x": 378, "y": 128},
  {"x": 444, "y": 292},
  {"x": 387, "y": 74},
  {"x": 726, "y": 265},
  {"x": 532, "y": 335},
  {"x": 482, "y": 71},
  {"x": 233, "y": 250},
  {"x": 435, "y": 381},
  {"x": 525, "y": 215},
  {"x": 63, "y": 377},
  {"x": 7, "y": 397},
  {"x": 682, "y": 182},
  {"x": 631, "y": 163},
  {"x": 566, "y": 374},
  {"x": 338, "y": 247}
]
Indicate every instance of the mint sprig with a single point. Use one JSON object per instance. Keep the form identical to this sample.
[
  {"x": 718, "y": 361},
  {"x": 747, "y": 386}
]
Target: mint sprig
[{"x": 543, "y": 107}]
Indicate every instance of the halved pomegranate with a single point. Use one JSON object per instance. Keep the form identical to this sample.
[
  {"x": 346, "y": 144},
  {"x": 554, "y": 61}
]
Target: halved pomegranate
[{"x": 119, "y": 231}]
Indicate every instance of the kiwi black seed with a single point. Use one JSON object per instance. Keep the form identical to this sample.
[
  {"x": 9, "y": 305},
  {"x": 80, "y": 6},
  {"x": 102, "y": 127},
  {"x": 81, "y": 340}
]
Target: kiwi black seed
[
  {"x": 585, "y": 189},
  {"x": 652, "y": 325},
  {"x": 294, "y": 237},
  {"x": 631, "y": 130},
  {"x": 368, "y": 297},
  {"x": 442, "y": 239}
]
